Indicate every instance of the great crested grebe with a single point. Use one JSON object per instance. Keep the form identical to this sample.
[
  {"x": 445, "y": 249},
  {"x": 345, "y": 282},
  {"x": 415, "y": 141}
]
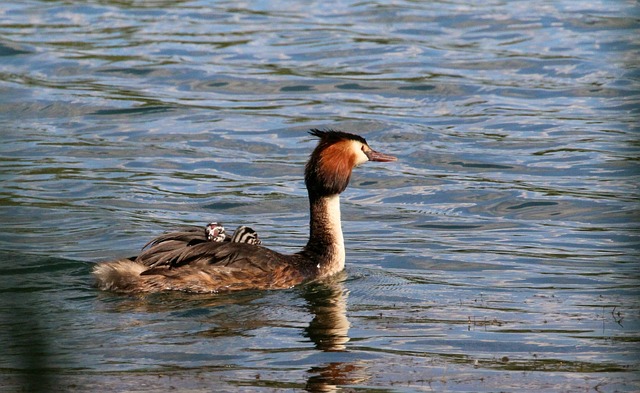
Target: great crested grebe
[{"x": 176, "y": 262}]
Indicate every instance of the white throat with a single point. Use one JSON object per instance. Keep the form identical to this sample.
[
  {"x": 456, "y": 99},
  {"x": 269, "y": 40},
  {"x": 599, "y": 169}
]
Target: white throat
[{"x": 335, "y": 228}]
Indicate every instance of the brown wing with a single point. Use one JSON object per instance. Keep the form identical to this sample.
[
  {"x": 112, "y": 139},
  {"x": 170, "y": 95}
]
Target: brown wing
[
  {"x": 171, "y": 254},
  {"x": 164, "y": 249},
  {"x": 225, "y": 267},
  {"x": 186, "y": 260}
]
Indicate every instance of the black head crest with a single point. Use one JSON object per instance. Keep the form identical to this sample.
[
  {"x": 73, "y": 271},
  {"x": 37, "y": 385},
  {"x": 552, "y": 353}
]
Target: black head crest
[{"x": 332, "y": 136}]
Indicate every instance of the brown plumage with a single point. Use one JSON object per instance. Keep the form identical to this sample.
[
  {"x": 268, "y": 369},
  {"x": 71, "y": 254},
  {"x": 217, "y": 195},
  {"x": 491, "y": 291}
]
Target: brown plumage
[{"x": 186, "y": 261}]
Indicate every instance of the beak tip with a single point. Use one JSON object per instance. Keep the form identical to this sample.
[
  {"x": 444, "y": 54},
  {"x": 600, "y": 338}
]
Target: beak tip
[{"x": 381, "y": 157}]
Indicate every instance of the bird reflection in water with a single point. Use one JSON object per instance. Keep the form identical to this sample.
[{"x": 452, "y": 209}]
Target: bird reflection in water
[{"x": 329, "y": 331}]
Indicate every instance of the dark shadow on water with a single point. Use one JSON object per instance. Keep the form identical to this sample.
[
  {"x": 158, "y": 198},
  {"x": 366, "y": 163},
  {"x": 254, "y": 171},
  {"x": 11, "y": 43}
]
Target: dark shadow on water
[
  {"x": 27, "y": 338},
  {"x": 134, "y": 111},
  {"x": 30, "y": 318}
]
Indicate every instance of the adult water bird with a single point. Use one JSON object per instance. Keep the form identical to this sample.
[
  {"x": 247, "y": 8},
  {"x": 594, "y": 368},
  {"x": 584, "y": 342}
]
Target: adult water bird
[{"x": 181, "y": 265}]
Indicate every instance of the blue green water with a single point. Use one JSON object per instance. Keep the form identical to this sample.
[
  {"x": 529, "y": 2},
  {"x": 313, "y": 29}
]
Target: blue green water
[{"x": 499, "y": 253}]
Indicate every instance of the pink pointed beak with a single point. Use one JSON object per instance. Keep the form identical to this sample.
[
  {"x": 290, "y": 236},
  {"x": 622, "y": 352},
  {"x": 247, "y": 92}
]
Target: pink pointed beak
[{"x": 381, "y": 157}]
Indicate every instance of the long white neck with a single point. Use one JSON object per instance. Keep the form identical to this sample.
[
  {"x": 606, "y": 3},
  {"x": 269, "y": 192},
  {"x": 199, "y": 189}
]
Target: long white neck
[{"x": 326, "y": 243}]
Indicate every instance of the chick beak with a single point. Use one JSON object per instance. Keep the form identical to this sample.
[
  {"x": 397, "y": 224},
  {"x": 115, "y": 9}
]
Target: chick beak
[{"x": 381, "y": 157}]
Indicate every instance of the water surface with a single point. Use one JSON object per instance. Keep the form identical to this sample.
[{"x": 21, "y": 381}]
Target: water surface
[{"x": 499, "y": 253}]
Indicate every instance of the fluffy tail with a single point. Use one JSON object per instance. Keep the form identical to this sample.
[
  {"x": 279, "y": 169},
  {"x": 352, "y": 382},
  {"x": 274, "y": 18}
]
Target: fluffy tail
[{"x": 120, "y": 276}]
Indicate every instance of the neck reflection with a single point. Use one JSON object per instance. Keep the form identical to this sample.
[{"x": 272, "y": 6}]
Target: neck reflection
[
  {"x": 329, "y": 331},
  {"x": 327, "y": 300}
]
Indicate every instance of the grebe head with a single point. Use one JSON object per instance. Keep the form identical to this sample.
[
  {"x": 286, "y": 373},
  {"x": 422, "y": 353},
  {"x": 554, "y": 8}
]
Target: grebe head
[
  {"x": 215, "y": 232},
  {"x": 329, "y": 168}
]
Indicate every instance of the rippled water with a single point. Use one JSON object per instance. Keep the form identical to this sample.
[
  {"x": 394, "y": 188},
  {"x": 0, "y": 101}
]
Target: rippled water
[{"x": 499, "y": 253}]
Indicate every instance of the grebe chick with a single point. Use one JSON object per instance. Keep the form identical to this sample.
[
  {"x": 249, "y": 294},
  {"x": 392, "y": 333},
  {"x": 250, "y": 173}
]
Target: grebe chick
[
  {"x": 215, "y": 232},
  {"x": 244, "y": 234},
  {"x": 176, "y": 262}
]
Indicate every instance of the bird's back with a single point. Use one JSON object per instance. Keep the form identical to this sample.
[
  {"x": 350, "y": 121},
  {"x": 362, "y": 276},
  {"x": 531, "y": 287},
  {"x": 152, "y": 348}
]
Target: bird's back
[{"x": 186, "y": 261}]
